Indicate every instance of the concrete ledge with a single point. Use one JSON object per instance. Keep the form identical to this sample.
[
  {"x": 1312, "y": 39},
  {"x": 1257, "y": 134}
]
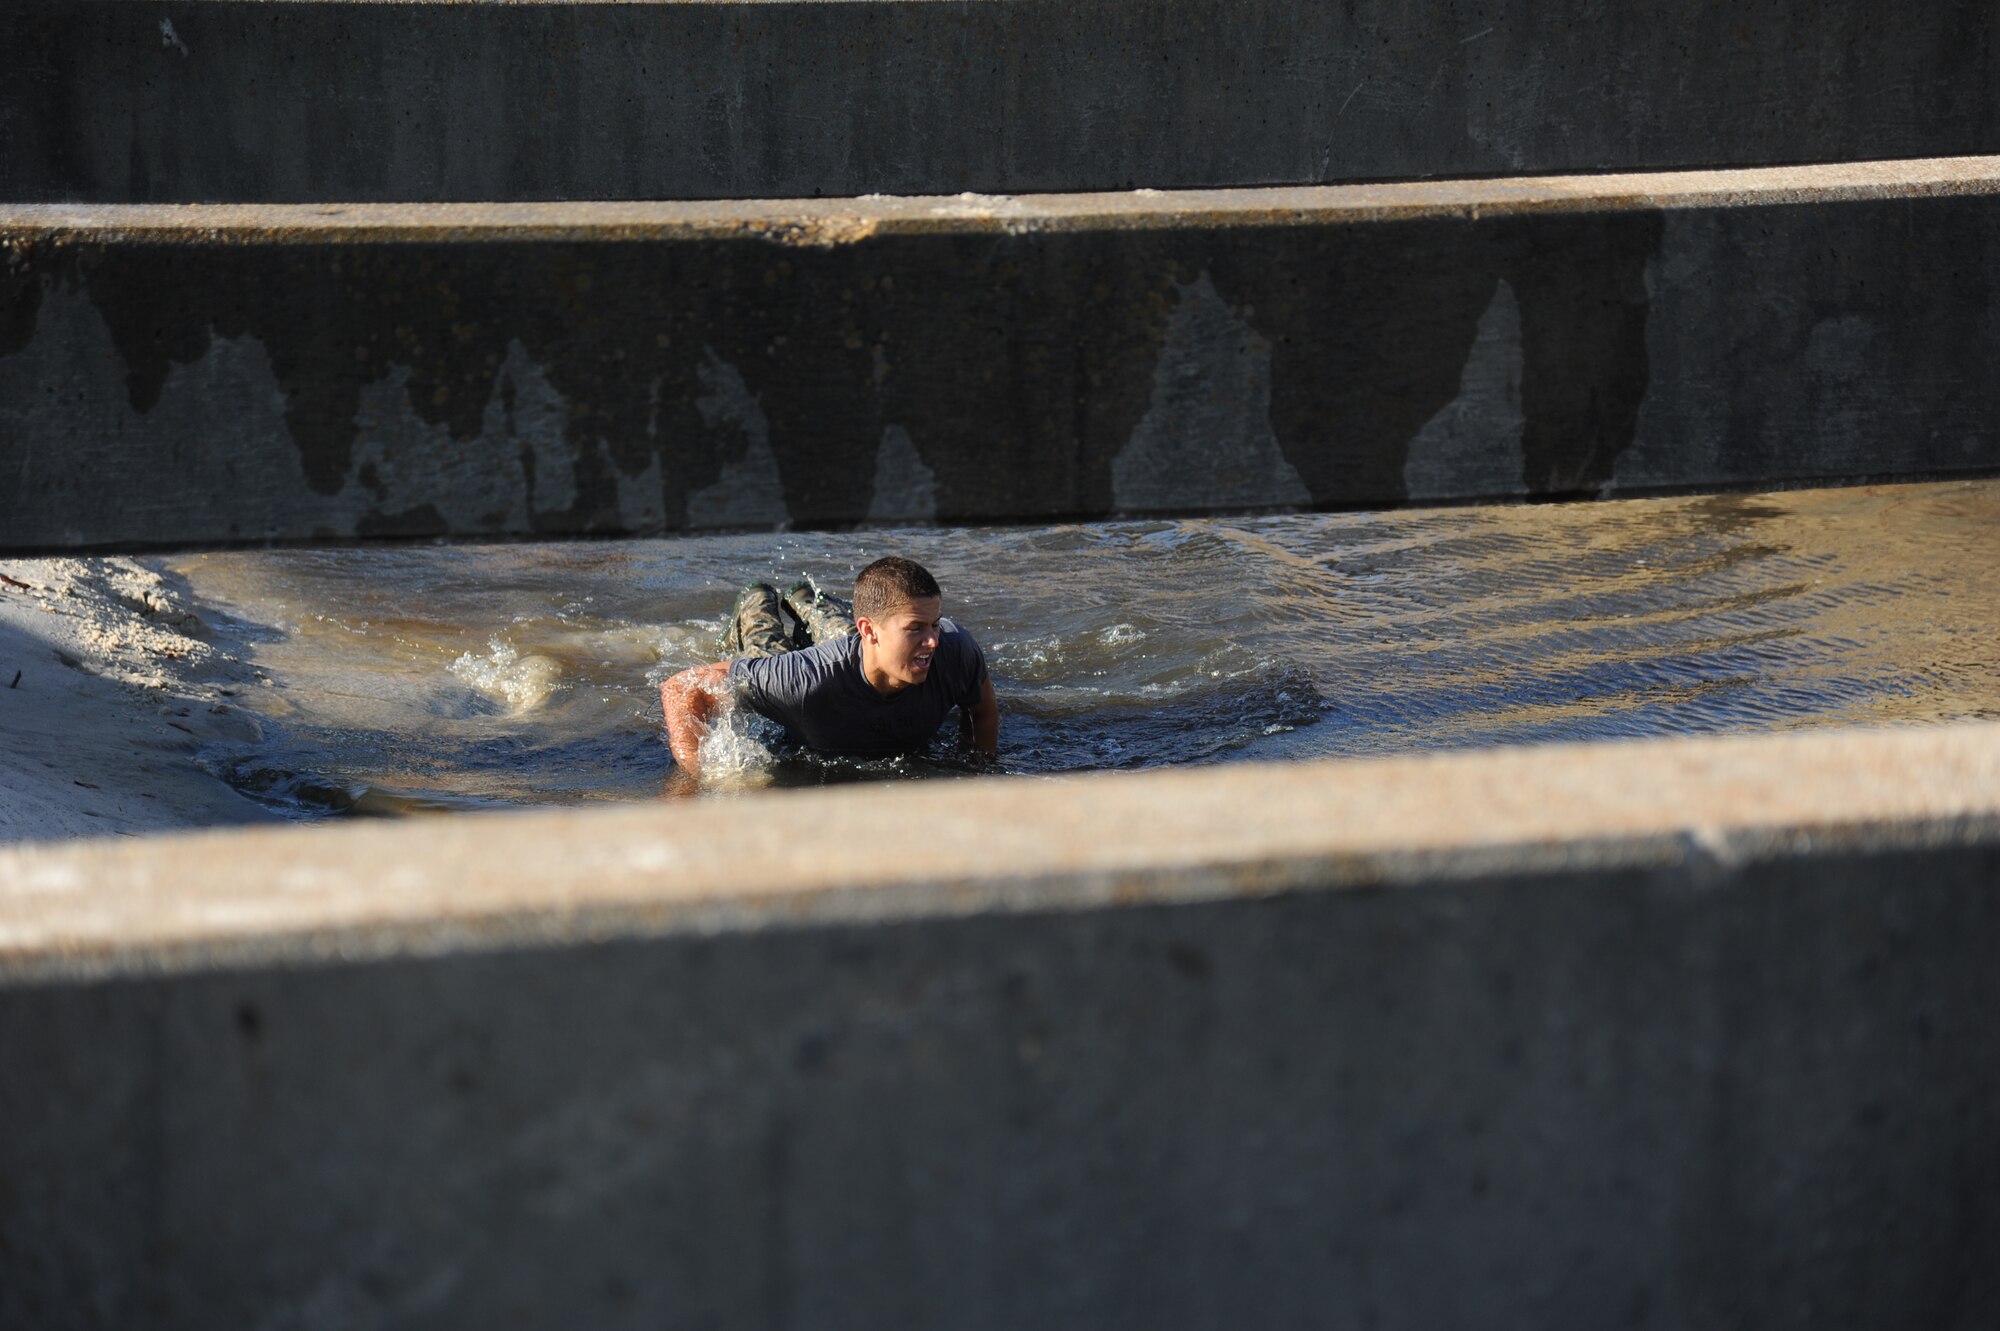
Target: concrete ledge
[
  {"x": 825, "y": 223},
  {"x": 189, "y": 100},
  {"x": 273, "y": 895},
  {"x": 1683, "y": 1034},
  {"x": 173, "y": 377}
]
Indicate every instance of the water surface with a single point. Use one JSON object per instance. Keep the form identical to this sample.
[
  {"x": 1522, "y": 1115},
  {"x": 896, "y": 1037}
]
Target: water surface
[{"x": 464, "y": 676}]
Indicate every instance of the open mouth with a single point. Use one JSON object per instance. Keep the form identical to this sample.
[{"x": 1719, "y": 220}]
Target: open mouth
[{"x": 920, "y": 663}]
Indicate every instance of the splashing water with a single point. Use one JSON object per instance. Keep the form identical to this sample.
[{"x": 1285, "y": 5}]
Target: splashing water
[
  {"x": 523, "y": 682},
  {"x": 465, "y": 676}
]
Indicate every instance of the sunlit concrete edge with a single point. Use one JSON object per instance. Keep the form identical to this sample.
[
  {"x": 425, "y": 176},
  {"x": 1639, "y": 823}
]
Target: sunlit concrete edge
[
  {"x": 330, "y": 894},
  {"x": 828, "y": 222}
]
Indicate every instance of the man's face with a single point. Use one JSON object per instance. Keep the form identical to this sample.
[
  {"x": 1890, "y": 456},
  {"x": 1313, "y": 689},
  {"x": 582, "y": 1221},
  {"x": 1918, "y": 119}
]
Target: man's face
[{"x": 904, "y": 640}]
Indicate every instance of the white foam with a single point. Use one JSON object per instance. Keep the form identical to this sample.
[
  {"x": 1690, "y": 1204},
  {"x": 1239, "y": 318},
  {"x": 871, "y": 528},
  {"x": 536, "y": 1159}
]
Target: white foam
[
  {"x": 736, "y": 753},
  {"x": 524, "y": 683}
]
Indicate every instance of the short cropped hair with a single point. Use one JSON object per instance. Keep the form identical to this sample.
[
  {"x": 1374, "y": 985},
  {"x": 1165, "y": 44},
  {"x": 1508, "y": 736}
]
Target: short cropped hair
[{"x": 890, "y": 582}]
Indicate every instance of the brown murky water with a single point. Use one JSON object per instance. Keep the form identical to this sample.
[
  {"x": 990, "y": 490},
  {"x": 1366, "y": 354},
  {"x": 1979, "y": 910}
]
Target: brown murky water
[{"x": 472, "y": 676}]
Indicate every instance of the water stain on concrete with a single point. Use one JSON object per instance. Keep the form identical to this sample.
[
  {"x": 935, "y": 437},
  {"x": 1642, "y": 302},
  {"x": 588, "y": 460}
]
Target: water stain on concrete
[
  {"x": 749, "y": 493},
  {"x": 1474, "y": 441},
  {"x": 598, "y": 386},
  {"x": 1581, "y": 286},
  {"x": 78, "y": 450},
  {"x": 1819, "y": 345},
  {"x": 412, "y": 472},
  {"x": 202, "y": 452},
  {"x": 1206, "y": 440},
  {"x": 905, "y": 489}
]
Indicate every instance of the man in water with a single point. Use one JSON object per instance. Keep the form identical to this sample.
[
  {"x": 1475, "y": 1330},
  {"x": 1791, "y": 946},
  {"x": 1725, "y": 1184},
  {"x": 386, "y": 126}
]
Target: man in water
[{"x": 882, "y": 689}]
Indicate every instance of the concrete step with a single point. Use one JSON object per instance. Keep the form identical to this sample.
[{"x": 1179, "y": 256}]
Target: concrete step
[
  {"x": 312, "y": 100},
  {"x": 193, "y": 374},
  {"x": 1701, "y": 1024}
]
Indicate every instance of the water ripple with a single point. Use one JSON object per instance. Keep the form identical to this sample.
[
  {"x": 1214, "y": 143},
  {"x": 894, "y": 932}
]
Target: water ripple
[{"x": 424, "y": 678}]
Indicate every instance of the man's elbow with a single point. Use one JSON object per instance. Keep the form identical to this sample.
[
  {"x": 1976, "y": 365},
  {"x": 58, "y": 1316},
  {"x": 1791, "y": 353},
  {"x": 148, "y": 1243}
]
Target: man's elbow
[
  {"x": 985, "y": 718},
  {"x": 687, "y": 703},
  {"x": 677, "y": 697}
]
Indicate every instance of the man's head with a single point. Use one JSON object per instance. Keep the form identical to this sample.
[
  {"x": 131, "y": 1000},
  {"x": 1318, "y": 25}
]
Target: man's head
[{"x": 897, "y": 608}]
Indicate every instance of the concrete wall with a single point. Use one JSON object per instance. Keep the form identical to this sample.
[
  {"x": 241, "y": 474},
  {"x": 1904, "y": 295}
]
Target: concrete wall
[
  {"x": 114, "y": 100},
  {"x": 228, "y": 376},
  {"x": 1672, "y": 1035}
]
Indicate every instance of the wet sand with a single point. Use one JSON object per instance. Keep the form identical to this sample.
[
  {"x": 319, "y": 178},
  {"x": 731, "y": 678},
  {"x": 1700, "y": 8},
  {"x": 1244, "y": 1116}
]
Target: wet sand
[{"x": 110, "y": 682}]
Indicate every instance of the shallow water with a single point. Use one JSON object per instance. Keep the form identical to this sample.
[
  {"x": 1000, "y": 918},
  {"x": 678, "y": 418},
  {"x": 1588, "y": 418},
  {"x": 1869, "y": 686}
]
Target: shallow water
[{"x": 464, "y": 676}]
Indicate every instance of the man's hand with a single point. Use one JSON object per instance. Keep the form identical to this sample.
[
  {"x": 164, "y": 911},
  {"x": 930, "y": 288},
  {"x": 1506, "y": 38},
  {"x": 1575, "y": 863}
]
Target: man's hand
[
  {"x": 691, "y": 701},
  {"x": 983, "y": 719}
]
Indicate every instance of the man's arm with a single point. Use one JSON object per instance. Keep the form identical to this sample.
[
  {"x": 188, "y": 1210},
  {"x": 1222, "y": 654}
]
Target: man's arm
[
  {"x": 691, "y": 701},
  {"x": 983, "y": 717}
]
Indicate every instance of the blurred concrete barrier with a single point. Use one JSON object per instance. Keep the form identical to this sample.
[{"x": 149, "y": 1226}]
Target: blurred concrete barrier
[
  {"x": 312, "y": 100},
  {"x": 1689, "y": 1033},
  {"x": 183, "y": 375}
]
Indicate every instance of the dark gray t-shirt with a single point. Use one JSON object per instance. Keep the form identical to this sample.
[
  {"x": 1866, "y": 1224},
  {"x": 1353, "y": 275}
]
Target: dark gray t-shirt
[{"x": 822, "y": 699}]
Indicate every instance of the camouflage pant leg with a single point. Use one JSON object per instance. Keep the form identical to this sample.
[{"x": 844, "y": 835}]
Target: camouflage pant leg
[
  {"x": 756, "y": 625},
  {"x": 826, "y": 617}
]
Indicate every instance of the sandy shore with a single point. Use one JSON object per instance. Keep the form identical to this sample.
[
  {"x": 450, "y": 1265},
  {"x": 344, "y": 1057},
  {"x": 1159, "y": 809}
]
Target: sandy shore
[{"x": 110, "y": 684}]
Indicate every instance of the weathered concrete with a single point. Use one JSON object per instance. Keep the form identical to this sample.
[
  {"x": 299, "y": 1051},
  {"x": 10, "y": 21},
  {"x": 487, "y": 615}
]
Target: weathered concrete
[
  {"x": 825, "y": 223},
  {"x": 1678, "y": 1034},
  {"x": 117, "y": 101},
  {"x": 193, "y": 375},
  {"x": 369, "y": 890}
]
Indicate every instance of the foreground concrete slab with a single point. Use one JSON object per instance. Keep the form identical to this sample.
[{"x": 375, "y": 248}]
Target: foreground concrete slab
[
  {"x": 1689, "y": 1033},
  {"x": 202, "y": 374},
  {"x": 427, "y": 886},
  {"x": 192, "y": 100}
]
